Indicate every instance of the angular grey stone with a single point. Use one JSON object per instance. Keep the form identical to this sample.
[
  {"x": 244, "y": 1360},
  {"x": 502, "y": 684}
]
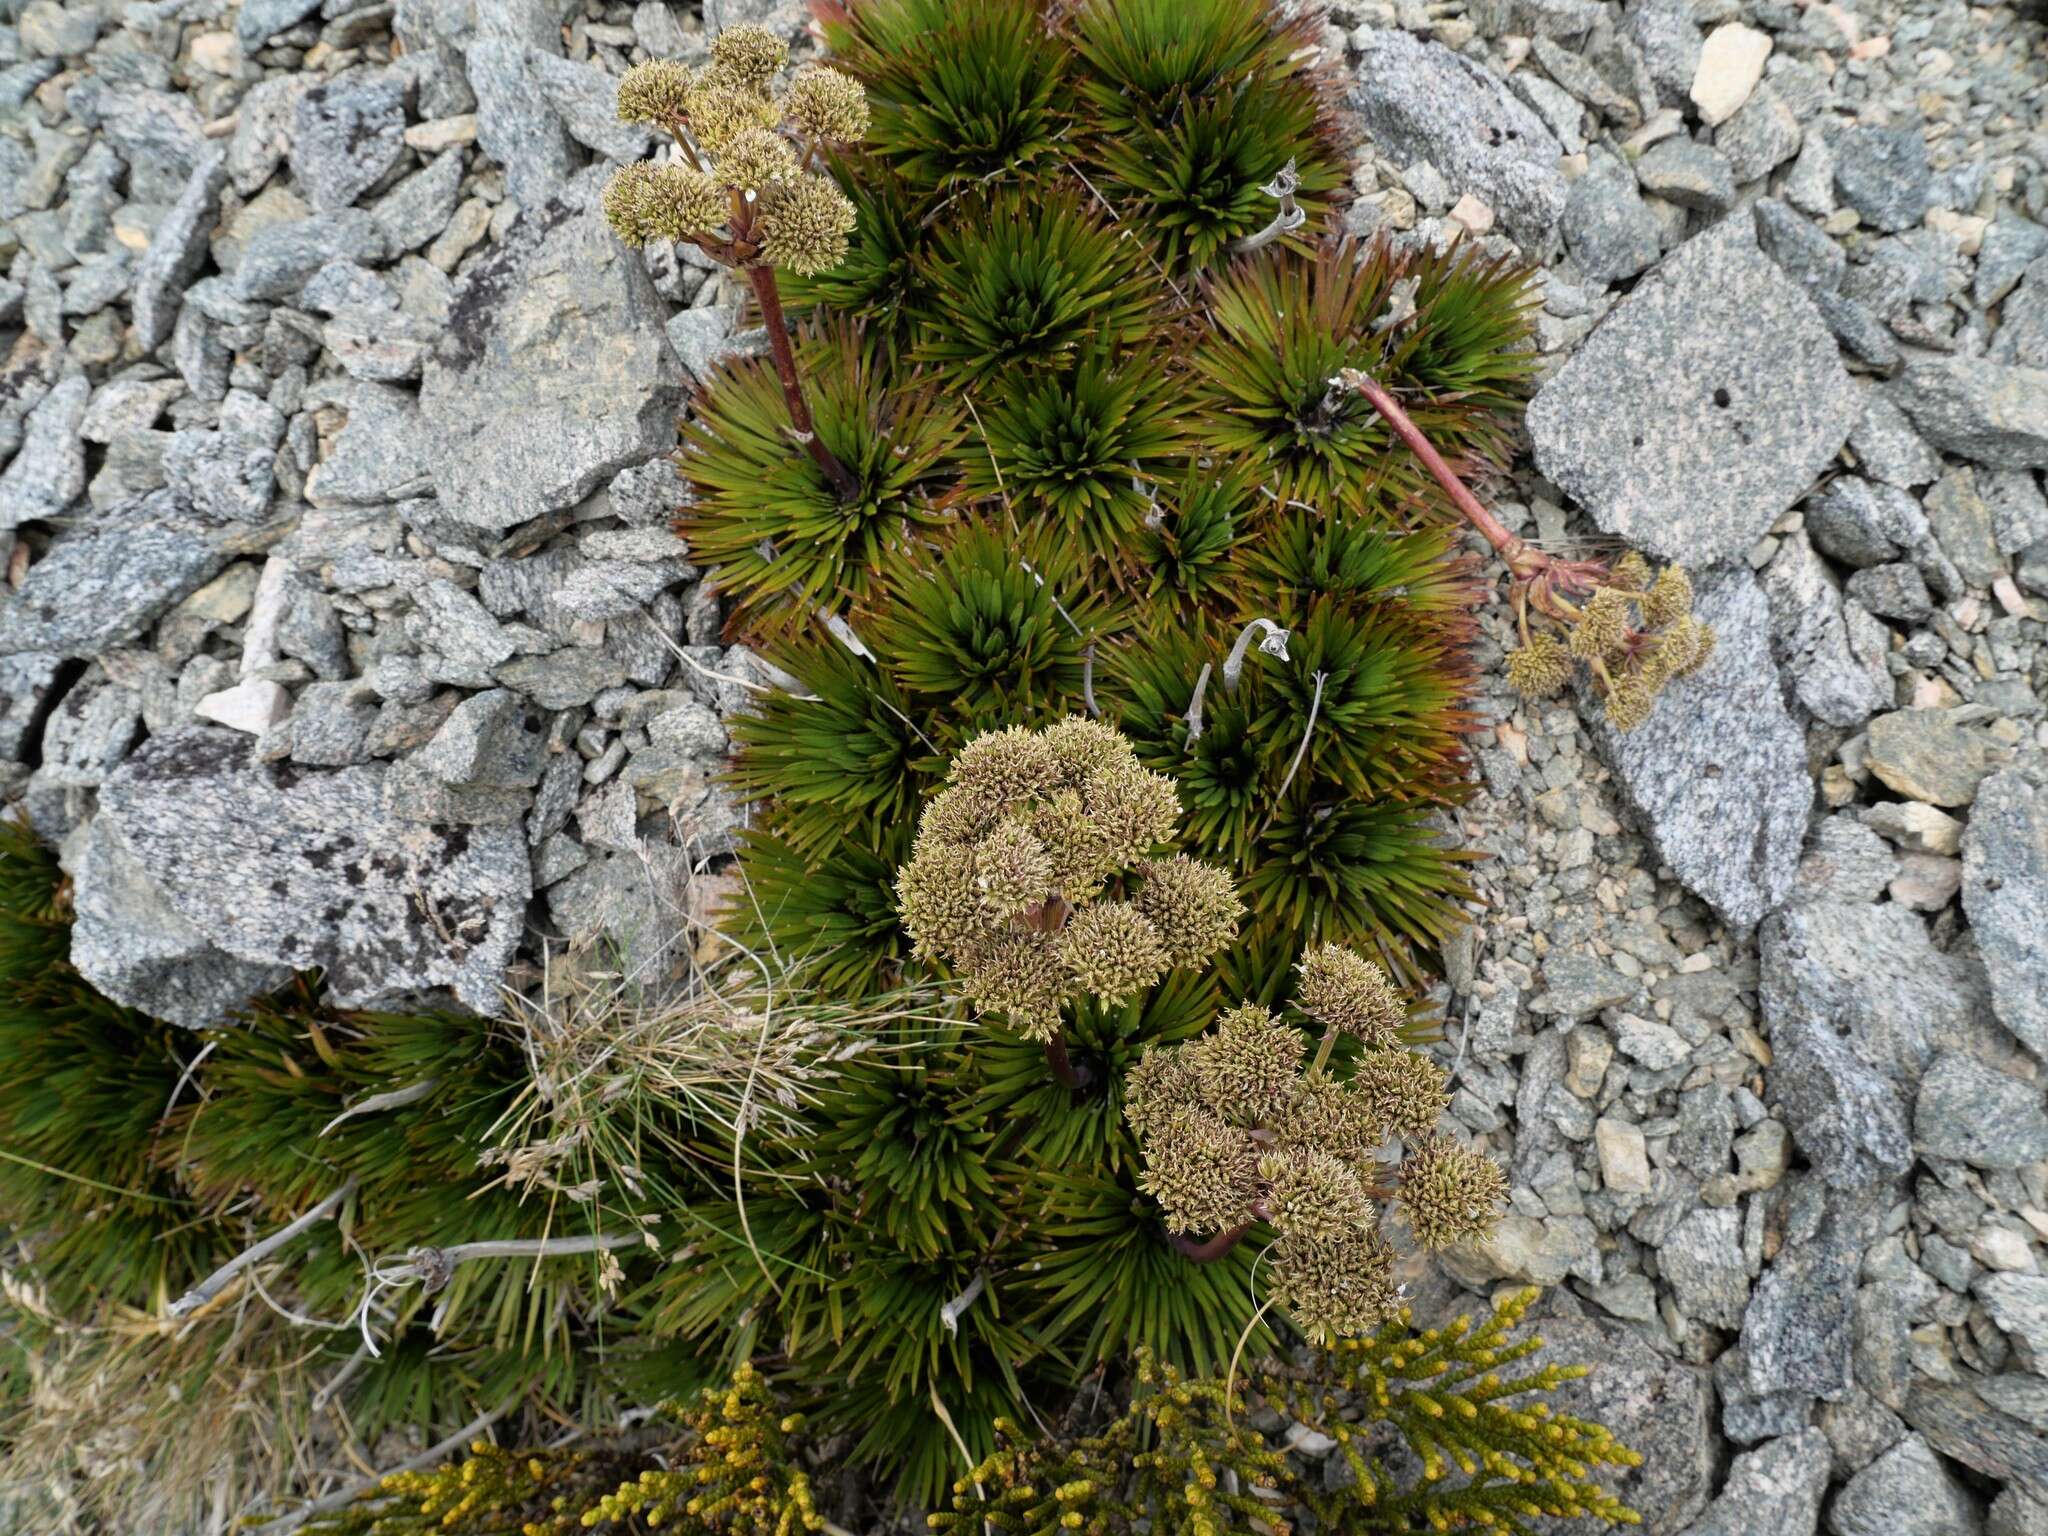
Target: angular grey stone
[
  {"x": 229, "y": 475},
  {"x": 159, "y": 135},
  {"x": 1702, "y": 1262},
  {"x": 419, "y": 207},
  {"x": 1421, "y": 101},
  {"x": 133, "y": 945},
  {"x": 1862, "y": 523},
  {"x": 95, "y": 283},
  {"x": 1797, "y": 1330},
  {"x": 378, "y": 345},
  {"x": 2005, "y": 893},
  {"x": 26, "y": 683},
  {"x": 610, "y": 589},
  {"x": 1928, "y": 754},
  {"x": 1688, "y": 174},
  {"x": 1963, "y": 1427},
  {"x": 587, "y": 101},
  {"x": 1579, "y": 986},
  {"x": 1798, "y": 246},
  {"x": 1889, "y": 450},
  {"x": 1847, "y": 862},
  {"x": 1969, "y": 1113},
  {"x": 1659, "y": 1406},
  {"x": 1761, "y": 136},
  {"x": 2009, "y": 247},
  {"x": 321, "y": 875},
  {"x": 1894, "y": 591},
  {"x": 1606, "y": 227},
  {"x": 563, "y": 679},
  {"x": 178, "y": 247},
  {"x": 2015, "y": 1512},
  {"x": 455, "y": 624},
  {"x": 1776, "y": 1487},
  {"x": 1993, "y": 413},
  {"x": 342, "y": 285},
  {"x": 104, "y": 586},
  {"x": 1701, "y": 408},
  {"x": 261, "y": 20},
  {"x": 329, "y": 727},
  {"x": 263, "y": 131},
  {"x": 89, "y": 732},
  {"x": 1883, "y": 174},
  {"x": 1961, "y": 520},
  {"x": 279, "y": 258},
  {"x": 515, "y": 125},
  {"x": 382, "y": 455},
  {"x": 348, "y": 133},
  {"x": 1855, "y": 1001},
  {"x": 1905, "y": 1492},
  {"x": 485, "y": 742},
  {"x": 1717, "y": 774},
  {"x": 48, "y": 472},
  {"x": 1669, "y": 39},
  {"x": 2019, "y": 511},
  {"x": 648, "y": 495},
  {"x": 311, "y": 631},
  {"x": 2023, "y": 322},
  {"x": 200, "y": 354},
  {"x": 1834, "y": 654},
  {"x": 2018, "y": 1304},
  {"x": 555, "y": 374}
]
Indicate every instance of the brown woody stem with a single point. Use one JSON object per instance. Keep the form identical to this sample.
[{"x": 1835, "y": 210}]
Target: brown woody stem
[
  {"x": 1521, "y": 559},
  {"x": 1210, "y": 1251},
  {"x": 1072, "y": 1077},
  {"x": 769, "y": 297}
]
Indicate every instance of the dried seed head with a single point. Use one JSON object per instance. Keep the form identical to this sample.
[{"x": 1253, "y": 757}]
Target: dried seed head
[
  {"x": 1202, "y": 1172},
  {"x": 1158, "y": 1087},
  {"x": 756, "y": 159},
  {"x": 1011, "y": 869},
  {"x": 1194, "y": 906},
  {"x": 1313, "y": 1194},
  {"x": 1019, "y": 976},
  {"x": 1603, "y": 624},
  {"x": 1450, "y": 1193},
  {"x": 1631, "y": 573},
  {"x": 748, "y": 54},
  {"x": 1133, "y": 810},
  {"x": 998, "y": 767},
  {"x": 625, "y": 202},
  {"x": 1343, "y": 989},
  {"x": 1248, "y": 1065},
  {"x": 940, "y": 904},
  {"x": 1539, "y": 668},
  {"x": 1112, "y": 951},
  {"x": 1669, "y": 597},
  {"x": 1334, "y": 1287},
  {"x": 657, "y": 92},
  {"x": 1629, "y": 701},
  {"x": 803, "y": 225},
  {"x": 1402, "y": 1091},
  {"x": 826, "y": 104},
  {"x": 1325, "y": 1114},
  {"x": 1683, "y": 646},
  {"x": 719, "y": 114},
  {"x": 1082, "y": 745}
]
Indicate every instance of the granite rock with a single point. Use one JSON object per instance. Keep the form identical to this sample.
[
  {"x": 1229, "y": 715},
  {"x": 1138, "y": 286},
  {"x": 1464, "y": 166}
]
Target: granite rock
[
  {"x": 1993, "y": 413},
  {"x": 323, "y": 876},
  {"x": 1701, "y": 408},
  {"x": 2005, "y": 893},
  {"x": 554, "y": 374}
]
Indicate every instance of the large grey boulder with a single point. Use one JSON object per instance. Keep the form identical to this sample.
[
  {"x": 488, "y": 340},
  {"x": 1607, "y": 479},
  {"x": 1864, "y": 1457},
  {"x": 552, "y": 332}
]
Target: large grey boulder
[
  {"x": 1421, "y": 101},
  {"x": 285, "y": 870},
  {"x": 555, "y": 373},
  {"x": 2005, "y": 893},
  {"x": 1717, "y": 774},
  {"x": 1702, "y": 407},
  {"x": 1994, "y": 413},
  {"x": 1906, "y": 1492},
  {"x": 1776, "y": 1487}
]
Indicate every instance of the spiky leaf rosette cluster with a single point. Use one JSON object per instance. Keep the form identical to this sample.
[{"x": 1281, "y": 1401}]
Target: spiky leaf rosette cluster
[
  {"x": 1008, "y": 882},
  {"x": 747, "y": 188},
  {"x": 1631, "y": 630},
  {"x": 1234, "y": 1130}
]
